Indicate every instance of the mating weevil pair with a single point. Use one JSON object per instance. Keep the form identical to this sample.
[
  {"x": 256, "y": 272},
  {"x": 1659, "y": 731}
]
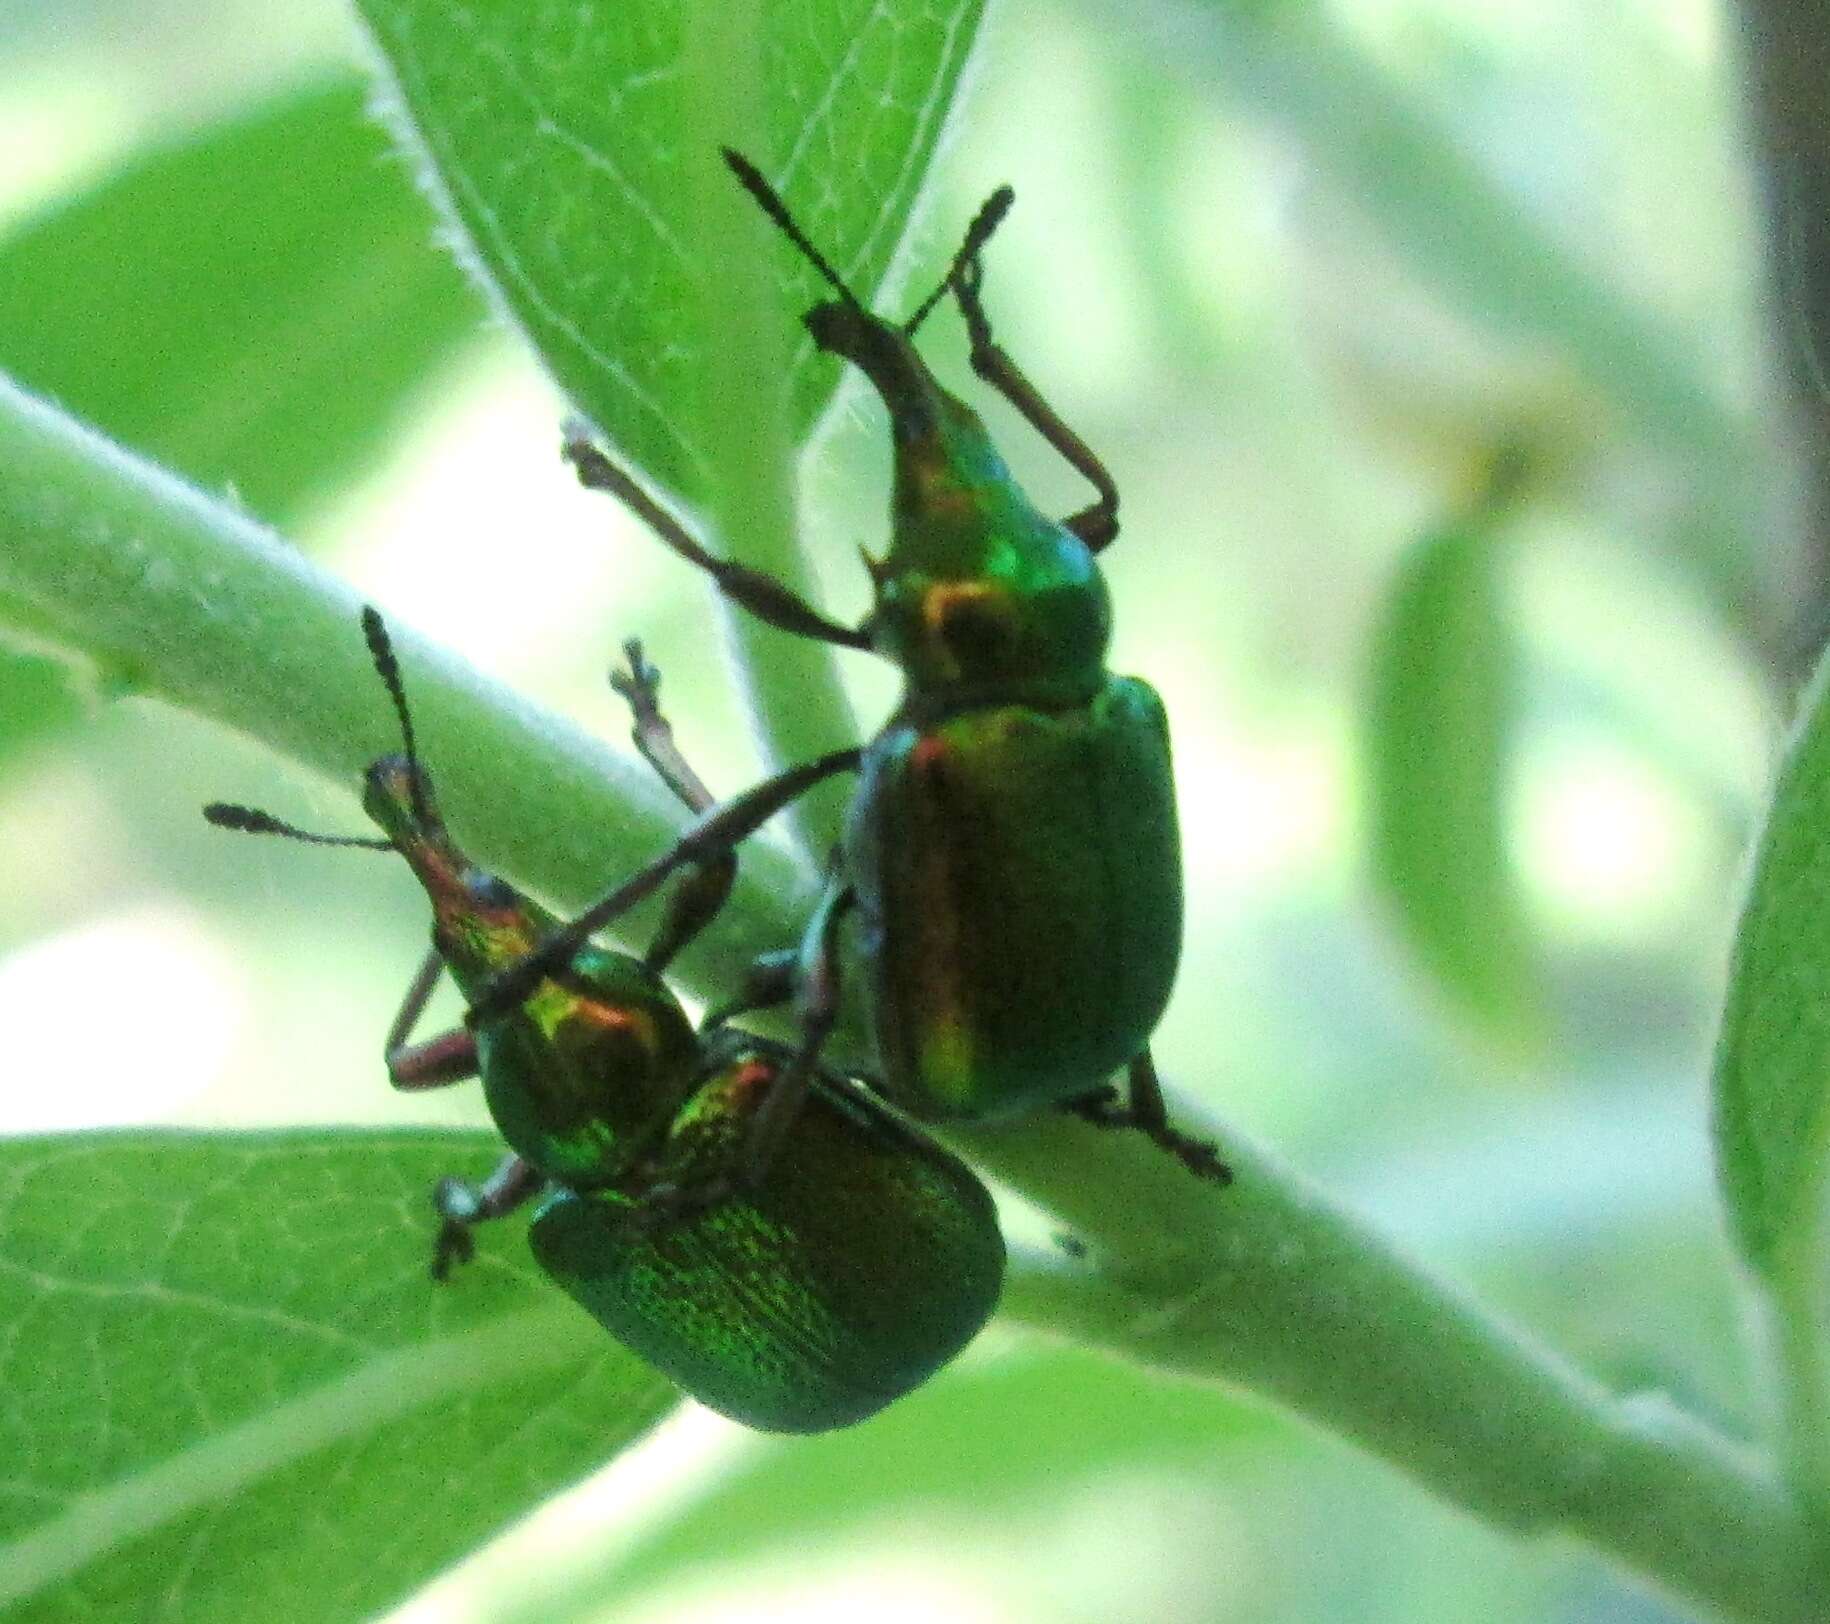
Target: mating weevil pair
[
  {"x": 1011, "y": 849},
  {"x": 765, "y": 1234},
  {"x": 861, "y": 1262}
]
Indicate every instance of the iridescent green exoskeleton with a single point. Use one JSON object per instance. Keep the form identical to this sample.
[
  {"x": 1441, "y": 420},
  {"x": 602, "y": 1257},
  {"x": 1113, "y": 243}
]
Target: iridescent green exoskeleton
[
  {"x": 1011, "y": 850},
  {"x": 864, "y": 1260}
]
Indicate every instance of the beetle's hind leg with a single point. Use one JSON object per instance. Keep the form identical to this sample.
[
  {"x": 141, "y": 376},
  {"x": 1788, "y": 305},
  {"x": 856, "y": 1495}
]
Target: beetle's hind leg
[
  {"x": 1145, "y": 1110},
  {"x": 462, "y": 1205}
]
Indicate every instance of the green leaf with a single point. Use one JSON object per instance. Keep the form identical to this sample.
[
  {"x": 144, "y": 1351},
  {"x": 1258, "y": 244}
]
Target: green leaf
[
  {"x": 1772, "y": 1088},
  {"x": 252, "y": 307},
  {"x": 232, "y": 1392},
  {"x": 1772, "y": 1066},
  {"x": 579, "y": 164},
  {"x": 1437, "y": 739},
  {"x": 580, "y": 161}
]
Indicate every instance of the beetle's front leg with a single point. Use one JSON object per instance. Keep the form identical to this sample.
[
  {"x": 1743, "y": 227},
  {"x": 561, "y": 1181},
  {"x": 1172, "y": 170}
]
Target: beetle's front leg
[
  {"x": 1146, "y": 1111},
  {"x": 717, "y": 830},
  {"x": 764, "y": 596},
  {"x": 451, "y": 1057},
  {"x": 701, "y": 892},
  {"x": 1096, "y": 525},
  {"x": 462, "y": 1205}
]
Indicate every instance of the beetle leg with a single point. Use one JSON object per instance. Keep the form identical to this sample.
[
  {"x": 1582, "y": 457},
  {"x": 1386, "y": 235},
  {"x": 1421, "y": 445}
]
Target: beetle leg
[
  {"x": 451, "y": 1057},
  {"x": 703, "y": 890},
  {"x": 638, "y": 680},
  {"x": 680, "y": 1193},
  {"x": 718, "y": 830},
  {"x": 448, "y": 1058},
  {"x": 770, "y": 981},
  {"x": 1145, "y": 1110},
  {"x": 462, "y": 1205},
  {"x": 1097, "y": 524},
  {"x": 765, "y": 597}
]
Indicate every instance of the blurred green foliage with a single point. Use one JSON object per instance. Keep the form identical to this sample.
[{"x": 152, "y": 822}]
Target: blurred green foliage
[
  {"x": 253, "y": 306},
  {"x": 1441, "y": 711},
  {"x": 1293, "y": 269}
]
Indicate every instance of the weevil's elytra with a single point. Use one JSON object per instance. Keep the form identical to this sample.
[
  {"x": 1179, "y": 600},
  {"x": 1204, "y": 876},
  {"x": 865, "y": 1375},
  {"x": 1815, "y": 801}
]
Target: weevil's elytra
[
  {"x": 1010, "y": 854},
  {"x": 795, "y": 1296},
  {"x": 948, "y": 831}
]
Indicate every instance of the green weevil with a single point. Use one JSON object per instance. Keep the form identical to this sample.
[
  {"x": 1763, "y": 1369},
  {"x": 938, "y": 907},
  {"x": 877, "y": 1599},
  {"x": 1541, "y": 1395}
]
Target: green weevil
[
  {"x": 1011, "y": 849},
  {"x": 865, "y": 1259}
]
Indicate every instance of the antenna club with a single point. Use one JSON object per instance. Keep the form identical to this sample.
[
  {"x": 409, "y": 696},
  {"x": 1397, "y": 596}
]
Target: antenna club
[
  {"x": 243, "y": 819},
  {"x": 967, "y": 271},
  {"x": 249, "y": 820}
]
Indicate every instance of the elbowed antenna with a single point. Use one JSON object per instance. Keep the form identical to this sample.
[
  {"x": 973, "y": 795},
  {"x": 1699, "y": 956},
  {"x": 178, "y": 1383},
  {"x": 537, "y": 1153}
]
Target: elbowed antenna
[
  {"x": 984, "y": 223},
  {"x": 770, "y": 202},
  {"x": 387, "y": 667},
  {"x": 249, "y": 820}
]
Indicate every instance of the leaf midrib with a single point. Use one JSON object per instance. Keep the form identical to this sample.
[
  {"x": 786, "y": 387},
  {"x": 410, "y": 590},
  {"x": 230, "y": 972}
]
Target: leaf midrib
[{"x": 212, "y": 1470}]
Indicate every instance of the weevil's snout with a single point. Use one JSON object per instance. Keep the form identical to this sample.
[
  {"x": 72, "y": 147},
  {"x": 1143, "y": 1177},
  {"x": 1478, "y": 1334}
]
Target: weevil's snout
[
  {"x": 840, "y": 328},
  {"x": 398, "y": 796},
  {"x": 481, "y": 923},
  {"x": 885, "y": 354}
]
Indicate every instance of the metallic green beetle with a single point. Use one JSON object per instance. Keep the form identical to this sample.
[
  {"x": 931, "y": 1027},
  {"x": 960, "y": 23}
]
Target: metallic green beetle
[
  {"x": 1011, "y": 849},
  {"x": 863, "y": 1261}
]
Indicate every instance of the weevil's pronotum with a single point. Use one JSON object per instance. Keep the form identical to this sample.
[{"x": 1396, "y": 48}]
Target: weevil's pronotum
[
  {"x": 1011, "y": 850},
  {"x": 861, "y": 1262}
]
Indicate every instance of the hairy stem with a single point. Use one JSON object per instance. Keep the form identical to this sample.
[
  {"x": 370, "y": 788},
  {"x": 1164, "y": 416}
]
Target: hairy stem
[
  {"x": 797, "y": 709},
  {"x": 1270, "y": 1288},
  {"x": 1263, "y": 1284},
  {"x": 169, "y": 595}
]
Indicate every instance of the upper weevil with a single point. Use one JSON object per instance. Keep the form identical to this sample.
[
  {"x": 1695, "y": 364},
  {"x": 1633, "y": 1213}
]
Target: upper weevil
[
  {"x": 1011, "y": 849},
  {"x": 809, "y": 1299}
]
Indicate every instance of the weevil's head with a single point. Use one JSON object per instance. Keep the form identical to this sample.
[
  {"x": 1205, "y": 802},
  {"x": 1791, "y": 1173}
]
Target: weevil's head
[
  {"x": 590, "y": 1058},
  {"x": 980, "y": 592},
  {"x": 981, "y": 595},
  {"x": 481, "y": 923}
]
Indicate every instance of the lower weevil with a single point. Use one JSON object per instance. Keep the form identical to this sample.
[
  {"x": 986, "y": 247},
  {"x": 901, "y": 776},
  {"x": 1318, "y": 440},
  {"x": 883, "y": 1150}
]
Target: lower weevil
[{"x": 865, "y": 1259}]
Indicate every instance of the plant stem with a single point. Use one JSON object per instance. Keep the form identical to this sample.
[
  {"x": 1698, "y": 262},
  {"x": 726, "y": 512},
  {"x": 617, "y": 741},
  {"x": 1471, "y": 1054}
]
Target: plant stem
[
  {"x": 169, "y": 595},
  {"x": 1268, "y": 1287},
  {"x": 797, "y": 708},
  {"x": 1801, "y": 1344},
  {"x": 1262, "y": 1284}
]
